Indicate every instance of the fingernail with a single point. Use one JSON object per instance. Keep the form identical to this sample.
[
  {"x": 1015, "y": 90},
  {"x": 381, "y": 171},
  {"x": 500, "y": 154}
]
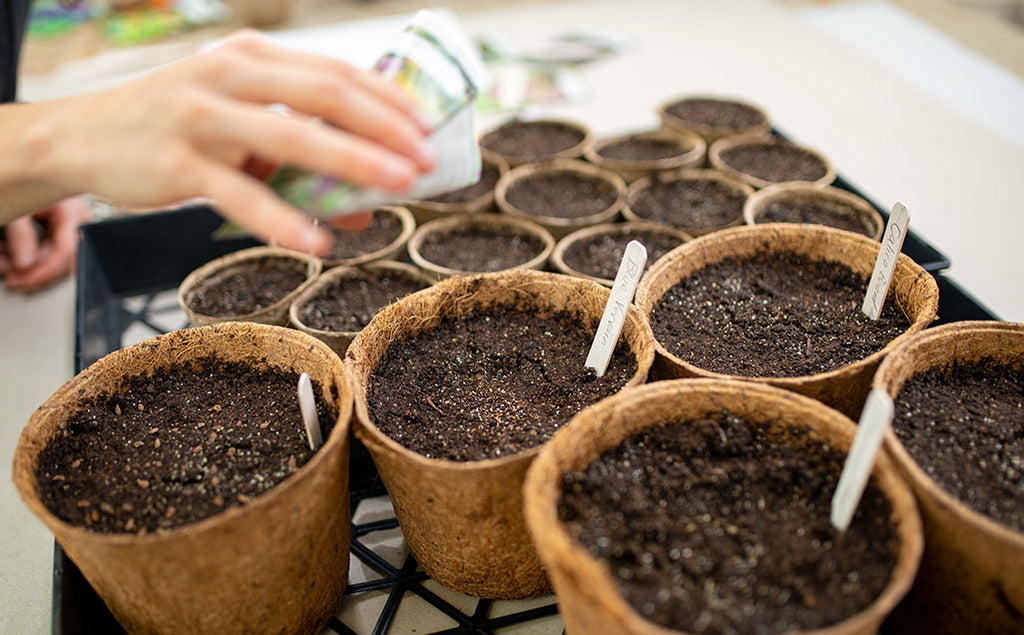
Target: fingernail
[
  {"x": 423, "y": 120},
  {"x": 22, "y": 260},
  {"x": 315, "y": 240},
  {"x": 396, "y": 174},
  {"x": 425, "y": 156}
]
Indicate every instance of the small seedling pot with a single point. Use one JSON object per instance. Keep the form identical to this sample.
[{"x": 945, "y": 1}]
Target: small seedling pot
[
  {"x": 712, "y": 131},
  {"x": 845, "y": 389},
  {"x": 581, "y": 135},
  {"x": 972, "y": 574},
  {"x": 588, "y": 597},
  {"x": 633, "y": 209},
  {"x": 393, "y": 250},
  {"x": 688, "y": 152},
  {"x": 461, "y": 201},
  {"x": 836, "y": 202},
  {"x": 339, "y": 340},
  {"x": 276, "y": 564},
  {"x": 464, "y": 520},
  {"x": 496, "y": 224},
  {"x": 226, "y": 266},
  {"x": 721, "y": 147},
  {"x": 625, "y": 231},
  {"x": 559, "y": 226}
]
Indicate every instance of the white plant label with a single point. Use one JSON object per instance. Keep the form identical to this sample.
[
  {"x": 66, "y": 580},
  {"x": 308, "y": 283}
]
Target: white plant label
[
  {"x": 608, "y": 331},
  {"x": 307, "y": 404},
  {"x": 881, "y": 277},
  {"x": 874, "y": 421}
]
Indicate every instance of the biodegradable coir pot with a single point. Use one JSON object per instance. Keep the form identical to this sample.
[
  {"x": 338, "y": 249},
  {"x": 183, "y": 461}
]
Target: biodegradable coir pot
[
  {"x": 713, "y": 118},
  {"x": 559, "y": 226},
  {"x": 972, "y": 574},
  {"x": 495, "y": 224},
  {"x": 532, "y": 141},
  {"x": 227, "y": 266},
  {"x": 392, "y": 250},
  {"x": 635, "y": 209},
  {"x": 588, "y": 597},
  {"x": 339, "y": 340},
  {"x": 464, "y": 520},
  {"x": 635, "y": 230},
  {"x": 720, "y": 157},
  {"x": 681, "y": 149},
  {"x": 473, "y": 198},
  {"x": 844, "y": 388},
  {"x": 845, "y": 209},
  {"x": 276, "y": 564}
]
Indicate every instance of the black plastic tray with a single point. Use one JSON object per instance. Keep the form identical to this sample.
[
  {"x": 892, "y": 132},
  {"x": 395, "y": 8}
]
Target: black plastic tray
[{"x": 139, "y": 257}]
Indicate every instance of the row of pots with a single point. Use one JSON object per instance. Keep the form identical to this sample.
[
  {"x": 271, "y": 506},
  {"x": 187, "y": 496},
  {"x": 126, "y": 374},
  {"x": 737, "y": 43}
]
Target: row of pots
[{"x": 454, "y": 515}]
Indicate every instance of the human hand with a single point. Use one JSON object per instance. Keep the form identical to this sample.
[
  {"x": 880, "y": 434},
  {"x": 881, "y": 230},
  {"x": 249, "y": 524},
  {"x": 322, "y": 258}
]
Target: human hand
[
  {"x": 187, "y": 131},
  {"x": 30, "y": 261}
]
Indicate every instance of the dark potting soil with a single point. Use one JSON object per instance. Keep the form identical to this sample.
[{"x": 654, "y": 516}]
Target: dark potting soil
[
  {"x": 562, "y": 194},
  {"x": 523, "y": 139},
  {"x": 716, "y": 113},
  {"x": 774, "y": 315},
  {"x": 177, "y": 446},
  {"x": 600, "y": 256},
  {"x": 247, "y": 287},
  {"x": 775, "y": 162},
  {"x": 350, "y": 303},
  {"x": 384, "y": 229},
  {"x": 722, "y": 526},
  {"x": 964, "y": 425},
  {"x": 833, "y": 214},
  {"x": 477, "y": 249},
  {"x": 640, "y": 148},
  {"x": 490, "y": 385},
  {"x": 688, "y": 203},
  {"x": 489, "y": 175}
]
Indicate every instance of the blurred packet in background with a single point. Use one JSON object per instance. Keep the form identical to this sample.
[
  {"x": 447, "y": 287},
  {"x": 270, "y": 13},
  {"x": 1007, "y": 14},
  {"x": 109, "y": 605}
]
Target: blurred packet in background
[{"x": 439, "y": 68}]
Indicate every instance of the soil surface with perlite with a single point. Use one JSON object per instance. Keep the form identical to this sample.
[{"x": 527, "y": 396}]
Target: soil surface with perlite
[
  {"x": 247, "y": 287},
  {"x": 562, "y": 194},
  {"x": 641, "y": 148},
  {"x": 721, "y": 525},
  {"x": 688, "y": 203},
  {"x": 775, "y": 162},
  {"x": 773, "y": 315},
  {"x": 480, "y": 249},
  {"x": 176, "y": 446},
  {"x": 728, "y": 115},
  {"x": 832, "y": 214},
  {"x": 964, "y": 425},
  {"x": 489, "y": 385},
  {"x": 350, "y": 303},
  {"x": 526, "y": 139},
  {"x": 599, "y": 256},
  {"x": 384, "y": 229},
  {"x": 489, "y": 175}
]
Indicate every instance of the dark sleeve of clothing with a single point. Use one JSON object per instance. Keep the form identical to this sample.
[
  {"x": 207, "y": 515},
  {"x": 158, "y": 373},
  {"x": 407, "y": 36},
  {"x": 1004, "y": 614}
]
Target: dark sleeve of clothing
[{"x": 13, "y": 17}]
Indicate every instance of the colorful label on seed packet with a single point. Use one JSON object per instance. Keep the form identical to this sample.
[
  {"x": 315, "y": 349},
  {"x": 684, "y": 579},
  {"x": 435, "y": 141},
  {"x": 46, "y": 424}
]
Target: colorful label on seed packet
[{"x": 439, "y": 68}]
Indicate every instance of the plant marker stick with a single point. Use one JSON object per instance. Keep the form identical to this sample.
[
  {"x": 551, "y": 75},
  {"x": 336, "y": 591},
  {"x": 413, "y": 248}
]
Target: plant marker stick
[
  {"x": 874, "y": 420},
  {"x": 608, "y": 331},
  {"x": 881, "y": 277},
  {"x": 308, "y": 407}
]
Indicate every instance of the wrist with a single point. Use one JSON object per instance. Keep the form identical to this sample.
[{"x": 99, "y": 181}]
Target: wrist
[{"x": 30, "y": 172}]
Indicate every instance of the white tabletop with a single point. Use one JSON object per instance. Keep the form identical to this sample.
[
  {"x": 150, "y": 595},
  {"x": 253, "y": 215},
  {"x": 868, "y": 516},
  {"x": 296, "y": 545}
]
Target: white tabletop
[{"x": 904, "y": 113}]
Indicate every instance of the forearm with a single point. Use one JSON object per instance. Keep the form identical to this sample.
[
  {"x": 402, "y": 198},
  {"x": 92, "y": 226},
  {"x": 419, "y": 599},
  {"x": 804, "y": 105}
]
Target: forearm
[{"x": 28, "y": 135}]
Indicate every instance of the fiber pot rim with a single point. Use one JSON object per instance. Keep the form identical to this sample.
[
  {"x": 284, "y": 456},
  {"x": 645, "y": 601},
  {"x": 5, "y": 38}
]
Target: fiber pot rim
[
  {"x": 479, "y": 219},
  {"x": 313, "y": 268},
  {"x": 387, "y": 251},
  {"x": 768, "y": 233},
  {"x": 436, "y": 209},
  {"x": 363, "y": 424},
  {"x": 542, "y": 490},
  {"x": 572, "y": 152},
  {"x": 331, "y": 276},
  {"x": 864, "y": 210},
  {"x": 691, "y": 157},
  {"x": 687, "y": 174},
  {"x": 893, "y": 373},
  {"x": 26, "y": 458},
  {"x": 558, "y": 255},
  {"x": 708, "y": 132},
  {"x": 728, "y": 143}
]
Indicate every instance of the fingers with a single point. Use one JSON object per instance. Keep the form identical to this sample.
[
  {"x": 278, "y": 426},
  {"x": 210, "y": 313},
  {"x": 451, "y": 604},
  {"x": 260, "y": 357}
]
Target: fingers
[
  {"x": 336, "y": 99},
  {"x": 58, "y": 250},
  {"x": 253, "y": 206},
  {"x": 51, "y": 267},
  {"x": 289, "y": 140},
  {"x": 22, "y": 243},
  {"x": 352, "y": 222}
]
